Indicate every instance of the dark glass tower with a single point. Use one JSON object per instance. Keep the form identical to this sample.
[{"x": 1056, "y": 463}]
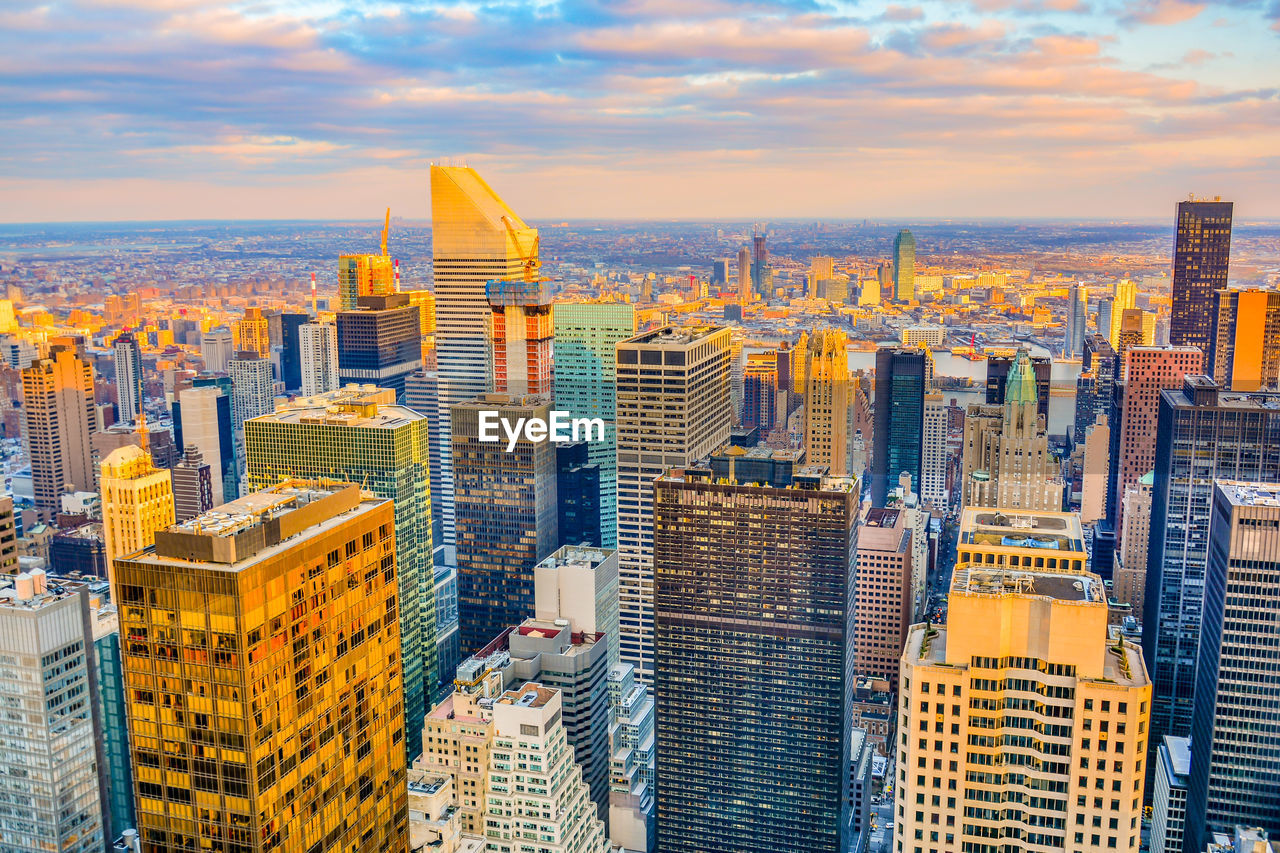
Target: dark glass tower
[
  {"x": 898, "y": 428},
  {"x": 1201, "y": 255},
  {"x": 753, "y": 614},
  {"x": 380, "y": 343},
  {"x": 1204, "y": 433},
  {"x": 578, "y": 487},
  {"x": 759, "y": 265},
  {"x": 291, "y": 353},
  {"x": 998, "y": 375}
]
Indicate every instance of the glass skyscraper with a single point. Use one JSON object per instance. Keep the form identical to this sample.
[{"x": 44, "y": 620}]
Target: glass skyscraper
[
  {"x": 904, "y": 266},
  {"x": 1201, "y": 257},
  {"x": 586, "y": 336},
  {"x": 898, "y": 430}
]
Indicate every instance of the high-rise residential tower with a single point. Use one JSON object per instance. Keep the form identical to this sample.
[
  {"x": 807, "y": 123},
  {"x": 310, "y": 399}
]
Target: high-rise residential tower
[
  {"x": 57, "y": 395},
  {"x": 757, "y": 763},
  {"x": 217, "y": 348},
  {"x": 826, "y": 401},
  {"x": 760, "y": 392},
  {"x": 744, "y": 275},
  {"x": 252, "y": 333},
  {"x": 318, "y": 357},
  {"x": 904, "y": 266},
  {"x": 192, "y": 485},
  {"x": 1246, "y": 343},
  {"x": 520, "y": 335},
  {"x": 1201, "y": 258},
  {"x": 898, "y": 431},
  {"x": 1077, "y": 315},
  {"x": 687, "y": 404},
  {"x": 203, "y": 417},
  {"x": 137, "y": 500},
  {"x": 252, "y": 391},
  {"x": 128, "y": 361},
  {"x": 884, "y": 592},
  {"x": 269, "y": 627},
  {"x": 361, "y": 436},
  {"x": 475, "y": 238},
  {"x": 935, "y": 455}
]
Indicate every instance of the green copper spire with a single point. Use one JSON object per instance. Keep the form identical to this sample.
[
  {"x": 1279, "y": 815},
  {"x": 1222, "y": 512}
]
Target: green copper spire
[{"x": 1020, "y": 387}]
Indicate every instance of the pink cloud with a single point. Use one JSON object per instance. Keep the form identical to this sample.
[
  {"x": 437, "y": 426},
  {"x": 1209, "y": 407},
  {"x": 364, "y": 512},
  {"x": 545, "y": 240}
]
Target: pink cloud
[{"x": 1162, "y": 12}]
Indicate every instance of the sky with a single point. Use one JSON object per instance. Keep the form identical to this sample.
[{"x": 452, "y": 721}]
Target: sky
[{"x": 659, "y": 109}]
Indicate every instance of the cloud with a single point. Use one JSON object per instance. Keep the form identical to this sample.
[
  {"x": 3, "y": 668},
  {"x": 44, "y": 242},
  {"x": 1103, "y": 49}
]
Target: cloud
[{"x": 1161, "y": 12}]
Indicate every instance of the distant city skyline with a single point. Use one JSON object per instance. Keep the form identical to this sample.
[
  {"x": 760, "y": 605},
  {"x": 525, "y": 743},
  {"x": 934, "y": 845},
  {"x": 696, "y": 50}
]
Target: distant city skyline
[{"x": 144, "y": 110}]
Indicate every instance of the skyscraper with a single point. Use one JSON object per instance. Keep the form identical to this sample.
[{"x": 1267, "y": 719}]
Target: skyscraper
[
  {"x": 1124, "y": 297},
  {"x": 137, "y": 500},
  {"x": 578, "y": 495},
  {"x": 506, "y": 514},
  {"x": 1012, "y": 633},
  {"x": 1246, "y": 345},
  {"x": 128, "y": 360},
  {"x": 475, "y": 238},
  {"x": 422, "y": 394},
  {"x": 761, "y": 277},
  {"x": 1205, "y": 434},
  {"x": 1235, "y": 774},
  {"x": 520, "y": 334},
  {"x": 883, "y": 593},
  {"x": 1148, "y": 371},
  {"x": 998, "y": 367},
  {"x": 744, "y": 275},
  {"x": 271, "y": 629},
  {"x": 720, "y": 272},
  {"x": 757, "y": 763},
  {"x": 366, "y": 275},
  {"x": 760, "y": 392},
  {"x": 688, "y": 405},
  {"x": 1074, "y": 329},
  {"x": 826, "y": 401},
  {"x": 898, "y": 431},
  {"x": 203, "y": 417},
  {"x": 217, "y": 348},
  {"x": 192, "y": 485},
  {"x": 117, "y": 765},
  {"x": 935, "y": 455},
  {"x": 1201, "y": 257},
  {"x": 379, "y": 342},
  {"x": 586, "y": 386},
  {"x": 318, "y": 357},
  {"x": 1169, "y": 796},
  {"x": 1130, "y": 571},
  {"x": 904, "y": 266},
  {"x": 51, "y": 761},
  {"x": 251, "y": 333},
  {"x": 57, "y": 397},
  {"x": 361, "y": 436},
  {"x": 252, "y": 391},
  {"x": 291, "y": 350}
]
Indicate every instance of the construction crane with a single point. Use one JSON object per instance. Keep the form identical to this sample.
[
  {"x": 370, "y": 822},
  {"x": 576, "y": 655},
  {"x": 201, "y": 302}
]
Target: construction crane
[
  {"x": 386, "y": 225},
  {"x": 530, "y": 261}
]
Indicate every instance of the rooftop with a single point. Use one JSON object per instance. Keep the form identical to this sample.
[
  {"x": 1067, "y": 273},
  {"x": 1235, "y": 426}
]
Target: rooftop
[
  {"x": 996, "y": 580},
  {"x": 1250, "y": 494},
  {"x": 672, "y": 336},
  {"x": 575, "y": 555},
  {"x": 531, "y": 695},
  {"x": 1021, "y": 529},
  {"x": 1175, "y": 753},
  {"x": 363, "y": 406}
]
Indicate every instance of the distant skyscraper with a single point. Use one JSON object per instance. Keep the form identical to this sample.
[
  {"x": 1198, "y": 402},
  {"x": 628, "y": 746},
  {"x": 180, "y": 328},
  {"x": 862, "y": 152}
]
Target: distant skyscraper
[
  {"x": 826, "y": 401},
  {"x": 128, "y": 359},
  {"x": 884, "y": 593},
  {"x": 1246, "y": 346},
  {"x": 252, "y": 391},
  {"x": 1149, "y": 370},
  {"x": 898, "y": 433},
  {"x": 904, "y": 266},
  {"x": 760, "y": 392},
  {"x": 1234, "y": 780},
  {"x": 266, "y": 598},
  {"x": 379, "y": 342},
  {"x": 252, "y": 333},
  {"x": 137, "y": 500},
  {"x": 318, "y": 356},
  {"x": 217, "y": 348},
  {"x": 1073, "y": 331},
  {"x": 520, "y": 335},
  {"x": 1205, "y": 434},
  {"x": 760, "y": 275},
  {"x": 744, "y": 275},
  {"x": 1012, "y": 632},
  {"x": 506, "y": 515},
  {"x": 1124, "y": 298},
  {"x": 475, "y": 238},
  {"x": 365, "y": 275},
  {"x": 1201, "y": 257},
  {"x": 203, "y": 416},
  {"x": 1104, "y": 317},
  {"x": 291, "y": 350},
  {"x": 57, "y": 395},
  {"x": 935, "y": 455},
  {"x": 363, "y": 437},
  {"x": 51, "y": 762},
  {"x": 1097, "y": 470},
  {"x": 720, "y": 272},
  {"x": 1095, "y": 393},
  {"x": 721, "y": 768},
  {"x": 192, "y": 485},
  {"x": 689, "y": 407}
]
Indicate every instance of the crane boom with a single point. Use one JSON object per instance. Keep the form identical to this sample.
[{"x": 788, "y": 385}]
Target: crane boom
[
  {"x": 531, "y": 262},
  {"x": 386, "y": 226}
]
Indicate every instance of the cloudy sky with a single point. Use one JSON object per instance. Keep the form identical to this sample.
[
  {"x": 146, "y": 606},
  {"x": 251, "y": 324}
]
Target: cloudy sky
[{"x": 162, "y": 109}]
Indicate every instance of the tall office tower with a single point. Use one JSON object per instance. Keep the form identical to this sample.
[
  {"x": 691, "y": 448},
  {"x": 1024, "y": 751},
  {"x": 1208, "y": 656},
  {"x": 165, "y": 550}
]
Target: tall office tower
[
  {"x": 1205, "y": 434},
  {"x": 721, "y": 762},
  {"x": 379, "y": 342},
  {"x": 884, "y": 593},
  {"x": 217, "y": 348},
  {"x": 291, "y": 350},
  {"x": 1169, "y": 796},
  {"x": 1148, "y": 370},
  {"x": 318, "y": 357},
  {"x": 885, "y": 277},
  {"x": 475, "y": 238},
  {"x": 720, "y": 271},
  {"x": 1201, "y": 257},
  {"x": 507, "y": 522},
  {"x": 425, "y": 300},
  {"x": 1124, "y": 297},
  {"x": 128, "y": 361},
  {"x": 1097, "y": 469},
  {"x": 1129, "y": 575},
  {"x": 1014, "y": 632},
  {"x": 364, "y": 275},
  {"x": 744, "y": 276},
  {"x": 51, "y": 763},
  {"x": 934, "y": 454},
  {"x": 689, "y": 407},
  {"x": 998, "y": 367},
  {"x": 1102, "y": 363},
  {"x": 1235, "y": 776},
  {"x": 457, "y": 736},
  {"x": 760, "y": 275},
  {"x": 137, "y": 500},
  {"x": 578, "y": 490},
  {"x": 203, "y": 416},
  {"x": 361, "y": 436},
  {"x": 898, "y": 431},
  {"x": 235, "y": 621},
  {"x": 904, "y": 266},
  {"x": 1077, "y": 314},
  {"x": 1104, "y": 317},
  {"x": 760, "y": 392},
  {"x": 1132, "y": 331},
  {"x": 821, "y": 271},
  {"x": 252, "y": 392},
  {"x": 1007, "y": 461},
  {"x": 1246, "y": 345},
  {"x": 520, "y": 335},
  {"x": 8, "y": 537},
  {"x": 192, "y": 485},
  {"x": 580, "y": 585},
  {"x": 252, "y": 333},
  {"x": 631, "y": 775},
  {"x": 117, "y": 767},
  {"x": 826, "y": 401},
  {"x": 57, "y": 397},
  {"x": 422, "y": 394}
]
